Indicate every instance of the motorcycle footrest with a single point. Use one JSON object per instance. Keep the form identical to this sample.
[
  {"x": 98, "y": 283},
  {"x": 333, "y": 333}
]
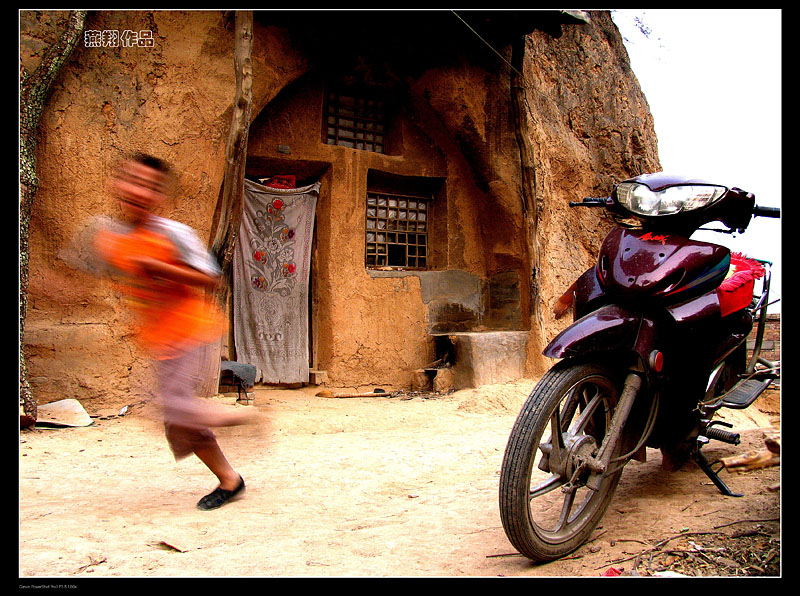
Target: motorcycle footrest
[
  {"x": 745, "y": 394},
  {"x": 723, "y": 435}
]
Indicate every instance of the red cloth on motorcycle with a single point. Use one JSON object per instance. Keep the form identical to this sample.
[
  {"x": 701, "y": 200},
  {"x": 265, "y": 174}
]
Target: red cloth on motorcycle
[{"x": 736, "y": 291}]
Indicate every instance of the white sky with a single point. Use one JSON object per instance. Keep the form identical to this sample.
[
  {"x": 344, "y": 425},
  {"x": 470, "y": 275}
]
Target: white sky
[{"x": 713, "y": 82}]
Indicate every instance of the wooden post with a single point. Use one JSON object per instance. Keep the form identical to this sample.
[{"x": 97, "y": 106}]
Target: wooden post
[{"x": 230, "y": 213}]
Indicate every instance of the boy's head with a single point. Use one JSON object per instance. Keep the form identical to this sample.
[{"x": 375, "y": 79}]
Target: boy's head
[{"x": 141, "y": 184}]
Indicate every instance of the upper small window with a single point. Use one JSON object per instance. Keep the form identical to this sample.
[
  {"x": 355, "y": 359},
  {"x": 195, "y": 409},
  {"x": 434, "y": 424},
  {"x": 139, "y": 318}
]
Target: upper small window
[{"x": 356, "y": 120}]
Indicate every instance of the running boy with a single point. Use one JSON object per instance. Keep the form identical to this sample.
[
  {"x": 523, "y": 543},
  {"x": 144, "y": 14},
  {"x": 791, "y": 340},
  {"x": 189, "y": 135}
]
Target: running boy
[{"x": 165, "y": 271}]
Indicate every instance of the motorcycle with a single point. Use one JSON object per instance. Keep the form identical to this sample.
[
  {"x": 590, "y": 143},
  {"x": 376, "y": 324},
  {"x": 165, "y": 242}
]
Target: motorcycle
[{"x": 657, "y": 346}]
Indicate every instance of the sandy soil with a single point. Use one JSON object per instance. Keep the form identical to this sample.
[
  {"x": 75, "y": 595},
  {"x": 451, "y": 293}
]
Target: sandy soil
[{"x": 385, "y": 486}]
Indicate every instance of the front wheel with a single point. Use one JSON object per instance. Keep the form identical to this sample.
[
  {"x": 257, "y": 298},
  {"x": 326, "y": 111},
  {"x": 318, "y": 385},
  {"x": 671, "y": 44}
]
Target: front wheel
[{"x": 546, "y": 506}]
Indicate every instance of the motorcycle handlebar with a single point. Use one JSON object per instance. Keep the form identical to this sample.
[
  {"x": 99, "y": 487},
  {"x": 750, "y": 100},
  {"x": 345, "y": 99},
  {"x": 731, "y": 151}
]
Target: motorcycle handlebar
[
  {"x": 590, "y": 202},
  {"x": 767, "y": 212}
]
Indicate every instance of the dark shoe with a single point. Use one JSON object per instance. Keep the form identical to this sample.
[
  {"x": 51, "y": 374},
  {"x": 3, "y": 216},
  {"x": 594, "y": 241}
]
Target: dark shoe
[{"x": 219, "y": 497}]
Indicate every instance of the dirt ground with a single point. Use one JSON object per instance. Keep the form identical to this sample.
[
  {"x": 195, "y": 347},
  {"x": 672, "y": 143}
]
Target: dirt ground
[{"x": 400, "y": 485}]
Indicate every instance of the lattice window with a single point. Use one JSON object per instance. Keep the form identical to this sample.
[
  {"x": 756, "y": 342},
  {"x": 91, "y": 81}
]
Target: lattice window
[
  {"x": 397, "y": 230},
  {"x": 355, "y": 120}
]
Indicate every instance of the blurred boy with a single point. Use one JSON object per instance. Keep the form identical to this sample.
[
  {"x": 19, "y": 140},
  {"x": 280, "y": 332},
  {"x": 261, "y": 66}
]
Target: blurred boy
[{"x": 164, "y": 271}]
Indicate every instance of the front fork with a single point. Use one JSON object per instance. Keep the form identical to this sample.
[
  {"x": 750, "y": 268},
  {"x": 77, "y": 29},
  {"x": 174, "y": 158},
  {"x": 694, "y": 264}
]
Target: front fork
[{"x": 598, "y": 464}]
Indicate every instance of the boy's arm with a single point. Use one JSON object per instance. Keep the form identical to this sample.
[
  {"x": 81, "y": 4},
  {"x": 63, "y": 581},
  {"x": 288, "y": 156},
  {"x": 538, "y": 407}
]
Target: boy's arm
[{"x": 182, "y": 274}]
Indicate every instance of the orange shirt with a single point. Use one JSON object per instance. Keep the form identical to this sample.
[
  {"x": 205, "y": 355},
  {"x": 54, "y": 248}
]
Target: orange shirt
[{"x": 172, "y": 317}]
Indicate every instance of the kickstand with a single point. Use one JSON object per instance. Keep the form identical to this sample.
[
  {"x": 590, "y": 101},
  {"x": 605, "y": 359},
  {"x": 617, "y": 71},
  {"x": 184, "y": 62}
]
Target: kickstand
[{"x": 706, "y": 467}]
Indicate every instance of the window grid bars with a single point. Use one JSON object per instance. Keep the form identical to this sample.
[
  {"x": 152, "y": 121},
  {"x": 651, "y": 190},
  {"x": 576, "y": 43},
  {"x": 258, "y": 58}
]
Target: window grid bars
[
  {"x": 397, "y": 230},
  {"x": 355, "y": 121}
]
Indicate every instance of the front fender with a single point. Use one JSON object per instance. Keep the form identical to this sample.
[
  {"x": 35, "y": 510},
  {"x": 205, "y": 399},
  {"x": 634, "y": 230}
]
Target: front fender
[{"x": 609, "y": 328}]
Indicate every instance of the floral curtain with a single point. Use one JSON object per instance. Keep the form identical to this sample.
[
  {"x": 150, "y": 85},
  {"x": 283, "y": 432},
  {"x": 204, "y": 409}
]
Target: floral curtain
[{"x": 271, "y": 272}]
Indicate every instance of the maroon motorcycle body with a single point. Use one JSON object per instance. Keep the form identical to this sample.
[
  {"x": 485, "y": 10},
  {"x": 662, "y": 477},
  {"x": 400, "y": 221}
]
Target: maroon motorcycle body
[{"x": 642, "y": 279}]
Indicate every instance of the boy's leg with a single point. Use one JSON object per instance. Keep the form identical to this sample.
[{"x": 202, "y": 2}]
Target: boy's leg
[
  {"x": 211, "y": 455},
  {"x": 185, "y": 420},
  {"x": 231, "y": 484}
]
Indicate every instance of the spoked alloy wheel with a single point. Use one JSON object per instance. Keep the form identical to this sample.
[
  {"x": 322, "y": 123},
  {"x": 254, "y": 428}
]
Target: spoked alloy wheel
[{"x": 546, "y": 507}]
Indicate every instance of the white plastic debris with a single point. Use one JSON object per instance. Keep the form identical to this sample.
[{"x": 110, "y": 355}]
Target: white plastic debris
[{"x": 65, "y": 412}]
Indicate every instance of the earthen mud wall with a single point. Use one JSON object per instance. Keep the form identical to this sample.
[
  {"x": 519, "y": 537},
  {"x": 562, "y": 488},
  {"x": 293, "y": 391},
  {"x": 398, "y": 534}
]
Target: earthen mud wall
[{"x": 586, "y": 123}]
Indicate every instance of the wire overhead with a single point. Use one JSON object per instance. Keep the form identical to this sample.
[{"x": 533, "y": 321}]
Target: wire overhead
[{"x": 478, "y": 35}]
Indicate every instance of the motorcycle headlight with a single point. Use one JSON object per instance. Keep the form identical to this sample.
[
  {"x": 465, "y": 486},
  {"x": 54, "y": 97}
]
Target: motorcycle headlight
[{"x": 639, "y": 199}]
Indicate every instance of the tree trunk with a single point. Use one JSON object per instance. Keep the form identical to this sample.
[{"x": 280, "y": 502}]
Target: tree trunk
[
  {"x": 34, "y": 89},
  {"x": 230, "y": 212}
]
